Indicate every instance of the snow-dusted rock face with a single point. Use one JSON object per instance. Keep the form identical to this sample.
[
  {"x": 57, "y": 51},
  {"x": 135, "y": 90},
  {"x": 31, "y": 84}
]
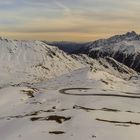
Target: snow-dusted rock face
[
  {"x": 123, "y": 48},
  {"x": 32, "y": 61},
  {"x": 108, "y": 65}
]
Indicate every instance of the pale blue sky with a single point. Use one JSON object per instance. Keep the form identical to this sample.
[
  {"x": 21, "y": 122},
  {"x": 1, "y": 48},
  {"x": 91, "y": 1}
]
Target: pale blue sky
[{"x": 78, "y": 20}]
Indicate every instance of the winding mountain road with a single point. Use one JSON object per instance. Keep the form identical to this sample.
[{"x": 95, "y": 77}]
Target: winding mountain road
[{"x": 65, "y": 91}]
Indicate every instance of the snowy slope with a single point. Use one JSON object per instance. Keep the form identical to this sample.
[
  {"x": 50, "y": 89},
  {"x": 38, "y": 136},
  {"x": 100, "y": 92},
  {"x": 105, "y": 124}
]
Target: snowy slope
[
  {"x": 107, "y": 64},
  {"x": 73, "y": 106},
  {"x": 32, "y": 61}
]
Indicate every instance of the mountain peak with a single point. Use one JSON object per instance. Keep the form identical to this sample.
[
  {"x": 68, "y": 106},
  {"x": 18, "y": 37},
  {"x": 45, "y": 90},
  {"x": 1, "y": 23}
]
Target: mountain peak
[
  {"x": 132, "y": 33},
  {"x": 129, "y": 36}
]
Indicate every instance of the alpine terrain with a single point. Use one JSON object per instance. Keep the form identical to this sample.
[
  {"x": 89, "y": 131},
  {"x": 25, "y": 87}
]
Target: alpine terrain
[{"x": 70, "y": 91}]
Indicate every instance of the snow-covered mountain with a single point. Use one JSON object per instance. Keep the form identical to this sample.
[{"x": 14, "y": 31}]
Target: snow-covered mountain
[
  {"x": 32, "y": 61},
  {"x": 123, "y": 48}
]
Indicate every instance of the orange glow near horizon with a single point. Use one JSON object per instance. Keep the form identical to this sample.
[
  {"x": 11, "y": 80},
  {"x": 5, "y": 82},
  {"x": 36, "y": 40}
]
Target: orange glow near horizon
[{"x": 75, "y": 20}]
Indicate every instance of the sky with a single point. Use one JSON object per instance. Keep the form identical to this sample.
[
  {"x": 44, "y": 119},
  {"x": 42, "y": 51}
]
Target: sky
[{"x": 68, "y": 20}]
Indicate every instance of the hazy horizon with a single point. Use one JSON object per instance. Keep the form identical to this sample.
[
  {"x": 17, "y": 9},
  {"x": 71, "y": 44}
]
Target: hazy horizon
[{"x": 75, "y": 20}]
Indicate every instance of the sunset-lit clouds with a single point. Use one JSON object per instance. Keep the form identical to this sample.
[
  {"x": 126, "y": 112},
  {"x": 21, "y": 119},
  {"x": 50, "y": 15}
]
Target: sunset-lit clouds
[{"x": 78, "y": 20}]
